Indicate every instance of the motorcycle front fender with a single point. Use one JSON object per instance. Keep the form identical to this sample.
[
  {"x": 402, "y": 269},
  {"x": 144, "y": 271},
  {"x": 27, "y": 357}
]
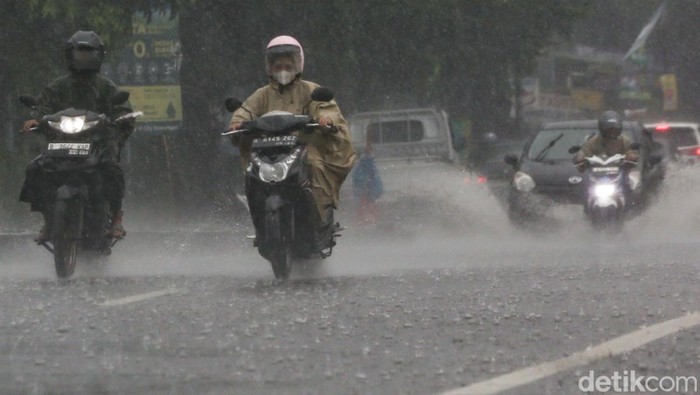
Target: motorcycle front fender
[
  {"x": 274, "y": 203},
  {"x": 604, "y": 202},
  {"x": 65, "y": 192}
]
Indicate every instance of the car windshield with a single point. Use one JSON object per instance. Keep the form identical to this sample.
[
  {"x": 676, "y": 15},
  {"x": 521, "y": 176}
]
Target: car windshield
[{"x": 563, "y": 140}]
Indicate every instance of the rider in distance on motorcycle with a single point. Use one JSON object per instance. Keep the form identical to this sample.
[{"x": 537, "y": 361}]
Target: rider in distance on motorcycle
[{"x": 609, "y": 141}]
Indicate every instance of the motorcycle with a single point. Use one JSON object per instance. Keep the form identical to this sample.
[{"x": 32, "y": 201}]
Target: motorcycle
[
  {"x": 278, "y": 188},
  {"x": 78, "y": 213},
  {"x": 609, "y": 182}
]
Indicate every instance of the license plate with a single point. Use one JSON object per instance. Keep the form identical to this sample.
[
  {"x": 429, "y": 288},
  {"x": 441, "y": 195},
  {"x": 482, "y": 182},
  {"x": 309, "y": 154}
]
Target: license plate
[
  {"x": 606, "y": 169},
  {"x": 71, "y": 149},
  {"x": 274, "y": 141}
]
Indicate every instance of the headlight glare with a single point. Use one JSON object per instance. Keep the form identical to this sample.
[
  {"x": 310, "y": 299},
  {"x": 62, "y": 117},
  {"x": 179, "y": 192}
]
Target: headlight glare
[
  {"x": 72, "y": 125},
  {"x": 604, "y": 190}
]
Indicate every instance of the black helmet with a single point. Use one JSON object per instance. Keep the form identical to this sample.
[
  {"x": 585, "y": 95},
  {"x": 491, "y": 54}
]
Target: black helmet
[
  {"x": 84, "y": 52},
  {"x": 610, "y": 125}
]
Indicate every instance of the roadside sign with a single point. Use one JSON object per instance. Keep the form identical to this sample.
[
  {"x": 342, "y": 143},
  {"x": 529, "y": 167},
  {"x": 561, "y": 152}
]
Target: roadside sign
[{"x": 148, "y": 68}]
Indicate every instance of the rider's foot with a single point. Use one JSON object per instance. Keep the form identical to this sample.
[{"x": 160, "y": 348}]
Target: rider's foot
[
  {"x": 117, "y": 231},
  {"x": 43, "y": 235}
]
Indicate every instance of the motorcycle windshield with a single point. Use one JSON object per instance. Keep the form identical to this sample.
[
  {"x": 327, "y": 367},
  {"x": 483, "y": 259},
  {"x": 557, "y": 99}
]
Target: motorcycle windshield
[{"x": 278, "y": 123}]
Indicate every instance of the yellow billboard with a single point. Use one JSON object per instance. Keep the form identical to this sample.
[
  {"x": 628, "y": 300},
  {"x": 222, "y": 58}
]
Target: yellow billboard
[
  {"x": 159, "y": 103},
  {"x": 670, "y": 91}
]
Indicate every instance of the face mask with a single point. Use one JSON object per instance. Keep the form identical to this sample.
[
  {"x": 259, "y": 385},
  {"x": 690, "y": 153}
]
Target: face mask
[{"x": 283, "y": 77}]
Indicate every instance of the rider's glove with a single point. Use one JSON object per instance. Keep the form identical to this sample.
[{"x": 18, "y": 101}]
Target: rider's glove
[{"x": 581, "y": 166}]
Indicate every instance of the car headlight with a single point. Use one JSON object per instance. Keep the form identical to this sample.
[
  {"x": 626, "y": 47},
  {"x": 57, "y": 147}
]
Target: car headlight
[
  {"x": 523, "y": 182},
  {"x": 604, "y": 190},
  {"x": 72, "y": 125}
]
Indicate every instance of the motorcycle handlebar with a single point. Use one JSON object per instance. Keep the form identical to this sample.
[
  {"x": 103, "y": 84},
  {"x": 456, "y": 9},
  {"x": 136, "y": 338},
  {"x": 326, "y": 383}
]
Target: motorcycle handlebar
[
  {"x": 330, "y": 128},
  {"x": 586, "y": 164}
]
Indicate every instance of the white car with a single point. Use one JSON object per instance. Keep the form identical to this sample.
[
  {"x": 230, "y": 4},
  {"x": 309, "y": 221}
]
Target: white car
[
  {"x": 411, "y": 148},
  {"x": 680, "y": 140}
]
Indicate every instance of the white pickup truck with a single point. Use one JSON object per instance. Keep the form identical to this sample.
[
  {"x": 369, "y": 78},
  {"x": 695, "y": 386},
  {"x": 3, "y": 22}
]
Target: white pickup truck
[{"x": 411, "y": 148}]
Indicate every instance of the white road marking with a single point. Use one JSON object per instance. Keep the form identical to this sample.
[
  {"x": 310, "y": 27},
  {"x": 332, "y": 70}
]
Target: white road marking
[
  {"x": 140, "y": 297},
  {"x": 609, "y": 348}
]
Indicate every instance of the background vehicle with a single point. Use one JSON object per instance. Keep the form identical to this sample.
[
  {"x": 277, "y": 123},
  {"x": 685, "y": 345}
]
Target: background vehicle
[
  {"x": 490, "y": 169},
  {"x": 680, "y": 140},
  {"x": 544, "y": 174},
  {"x": 608, "y": 181},
  {"x": 408, "y": 145},
  {"x": 78, "y": 211}
]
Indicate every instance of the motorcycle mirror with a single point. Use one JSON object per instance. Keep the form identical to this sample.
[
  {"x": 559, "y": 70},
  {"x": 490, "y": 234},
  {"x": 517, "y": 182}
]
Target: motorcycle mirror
[
  {"x": 511, "y": 159},
  {"x": 322, "y": 94},
  {"x": 120, "y": 97},
  {"x": 232, "y": 104},
  {"x": 635, "y": 146},
  {"x": 574, "y": 149},
  {"x": 29, "y": 101}
]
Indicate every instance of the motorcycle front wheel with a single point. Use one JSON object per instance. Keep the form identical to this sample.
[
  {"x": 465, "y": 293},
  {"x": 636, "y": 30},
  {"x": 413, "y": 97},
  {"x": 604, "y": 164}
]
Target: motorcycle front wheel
[
  {"x": 66, "y": 231},
  {"x": 281, "y": 261},
  {"x": 278, "y": 241},
  {"x": 607, "y": 219}
]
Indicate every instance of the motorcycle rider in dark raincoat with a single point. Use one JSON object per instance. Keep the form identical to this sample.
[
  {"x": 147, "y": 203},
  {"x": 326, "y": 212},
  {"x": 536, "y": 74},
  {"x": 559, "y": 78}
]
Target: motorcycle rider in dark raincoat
[{"x": 82, "y": 88}]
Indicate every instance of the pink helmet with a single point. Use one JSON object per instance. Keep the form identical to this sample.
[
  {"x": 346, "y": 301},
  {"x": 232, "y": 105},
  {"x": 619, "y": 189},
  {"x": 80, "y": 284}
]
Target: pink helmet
[{"x": 284, "y": 46}]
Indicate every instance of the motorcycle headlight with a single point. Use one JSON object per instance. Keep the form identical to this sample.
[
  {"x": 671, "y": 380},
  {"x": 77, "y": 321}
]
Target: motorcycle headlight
[
  {"x": 523, "y": 182},
  {"x": 72, "y": 125},
  {"x": 604, "y": 190},
  {"x": 275, "y": 172}
]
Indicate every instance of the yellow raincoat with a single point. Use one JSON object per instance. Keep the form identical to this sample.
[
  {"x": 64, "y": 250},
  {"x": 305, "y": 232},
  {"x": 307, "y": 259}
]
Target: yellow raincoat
[{"x": 330, "y": 155}]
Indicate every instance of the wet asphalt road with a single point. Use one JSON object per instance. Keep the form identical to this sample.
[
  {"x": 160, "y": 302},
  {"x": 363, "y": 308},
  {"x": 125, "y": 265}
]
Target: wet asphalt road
[{"x": 394, "y": 311}]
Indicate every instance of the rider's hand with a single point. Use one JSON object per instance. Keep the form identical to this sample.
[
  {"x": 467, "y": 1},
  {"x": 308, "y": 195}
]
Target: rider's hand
[
  {"x": 28, "y": 125},
  {"x": 631, "y": 157},
  {"x": 581, "y": 166},
  {"x": 325, "y": 121},
  {"x": 235, "y": 139}
]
